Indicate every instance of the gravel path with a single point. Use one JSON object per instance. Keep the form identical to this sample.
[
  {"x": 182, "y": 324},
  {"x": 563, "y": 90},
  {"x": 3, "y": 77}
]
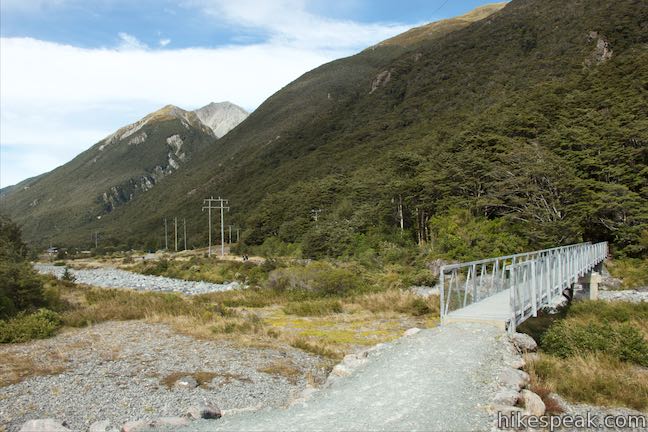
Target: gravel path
[
  {"x": 115, "y": 278},
  {"x": 115, "y": 371},
  {"x": 437, "y": 380}
]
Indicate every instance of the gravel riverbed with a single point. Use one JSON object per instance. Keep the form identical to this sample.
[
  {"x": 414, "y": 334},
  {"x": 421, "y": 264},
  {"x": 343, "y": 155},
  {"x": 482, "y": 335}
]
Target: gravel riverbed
[
  {"x": 119, "y": 371},
  {"x": 116, "y": 278}
]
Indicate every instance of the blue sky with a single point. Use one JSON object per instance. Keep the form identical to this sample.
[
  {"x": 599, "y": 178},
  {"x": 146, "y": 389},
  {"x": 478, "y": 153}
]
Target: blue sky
[{"x": 72, "y": 71}]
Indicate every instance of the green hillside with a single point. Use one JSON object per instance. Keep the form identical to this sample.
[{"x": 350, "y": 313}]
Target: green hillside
[{"x": 527, "y": 128}]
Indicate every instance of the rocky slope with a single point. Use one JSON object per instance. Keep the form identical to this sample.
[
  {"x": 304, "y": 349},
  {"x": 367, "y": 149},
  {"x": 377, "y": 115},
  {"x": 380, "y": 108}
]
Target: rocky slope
[
  {"x": 129, "y": 162},
  {"x": 221, "y": 117}
]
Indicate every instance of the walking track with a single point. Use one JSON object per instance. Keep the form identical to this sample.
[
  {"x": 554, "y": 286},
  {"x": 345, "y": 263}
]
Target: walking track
[{"x": 440, "y": 379}]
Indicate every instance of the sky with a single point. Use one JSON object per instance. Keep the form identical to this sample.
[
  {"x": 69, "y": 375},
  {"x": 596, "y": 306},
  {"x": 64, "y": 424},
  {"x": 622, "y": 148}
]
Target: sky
[{"x": 73, "y": 71}]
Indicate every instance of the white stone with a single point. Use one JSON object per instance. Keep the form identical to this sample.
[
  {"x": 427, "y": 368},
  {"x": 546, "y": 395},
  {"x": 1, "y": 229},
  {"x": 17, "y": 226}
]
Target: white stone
[
  {"x": 508, "y": 397},
  {"x": 513, "y": 378},
  {"x": 533, "y": 404},
  {"x": 44, "y": 425},
  {"x": 412, "y": 331},
  {"x": 524, "y": 342}
]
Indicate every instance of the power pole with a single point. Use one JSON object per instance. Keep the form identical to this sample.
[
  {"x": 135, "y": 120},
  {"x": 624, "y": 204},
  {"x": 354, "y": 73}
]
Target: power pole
[
  {"x": 222, "y": 209},
  {"x": 316, "y": 213},
  {"x": 175, "y": 227},
  {"x": 221, "y": 205},
  {"x": 184, "y": 222},
  {"x": 166, "y": 240},
  {"x": 208, "y": 201}
]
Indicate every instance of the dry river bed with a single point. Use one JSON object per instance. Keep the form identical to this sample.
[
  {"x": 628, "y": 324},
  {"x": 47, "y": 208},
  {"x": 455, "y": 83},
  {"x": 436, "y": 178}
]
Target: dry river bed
[{"x": 122, "y": 371}]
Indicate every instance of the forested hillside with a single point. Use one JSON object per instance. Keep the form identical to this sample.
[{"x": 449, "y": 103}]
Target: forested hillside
[{"x": 528, "y": 128}]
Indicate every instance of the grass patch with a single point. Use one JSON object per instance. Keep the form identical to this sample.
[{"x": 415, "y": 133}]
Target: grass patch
[
  {"x": 632, "y": 271},
  {"x": 16, "y": 368},
  {"x": 317, "y": 347},
  {"x": 593, "y": 378},
  {"x": 284, "y": 368},
  {"x": 313, "y": 308}
]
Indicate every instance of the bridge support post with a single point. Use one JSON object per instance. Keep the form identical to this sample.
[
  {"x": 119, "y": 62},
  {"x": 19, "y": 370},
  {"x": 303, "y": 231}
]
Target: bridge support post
[{"x": 590, "y": 283}]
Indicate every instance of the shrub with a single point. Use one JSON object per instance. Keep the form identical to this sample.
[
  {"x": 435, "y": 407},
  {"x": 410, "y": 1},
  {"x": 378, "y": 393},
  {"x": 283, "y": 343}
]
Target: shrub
[
  {"x": 67, "y": 275},
  {"x": 25, "y": 327},
  {"x": 572, "y": 337},
  {"x": 20, "y": 288},
  {"x": 318, "y": 278}
]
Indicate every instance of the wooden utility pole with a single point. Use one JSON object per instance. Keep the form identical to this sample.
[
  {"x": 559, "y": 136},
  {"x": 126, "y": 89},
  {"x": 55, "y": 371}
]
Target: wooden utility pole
[
  {"x": 184, "y": 223},
  {"x": 221, "y": 205},
  {"x": 166, "y": 236},
  {"x": 175, "y": 228}
]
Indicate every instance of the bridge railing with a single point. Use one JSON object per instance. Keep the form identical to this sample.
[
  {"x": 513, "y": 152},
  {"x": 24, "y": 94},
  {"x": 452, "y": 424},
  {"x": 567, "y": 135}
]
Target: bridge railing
[
  {"x": 466, "y": 283},
  {"x": 535, "y": 282}
]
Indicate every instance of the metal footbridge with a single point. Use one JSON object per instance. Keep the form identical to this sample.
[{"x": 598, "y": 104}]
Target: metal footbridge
[{"x": 507, "y": 290}]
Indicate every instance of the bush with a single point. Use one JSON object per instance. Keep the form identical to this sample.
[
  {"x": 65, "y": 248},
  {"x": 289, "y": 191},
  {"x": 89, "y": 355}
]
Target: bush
[
  {"x": 318, "y": 278},
  {"x": 573, "y": 337},
  {"x": 67, "y": 275},
  {"x": 24, "y": 327},
  {"x": 20, "y": 288}
]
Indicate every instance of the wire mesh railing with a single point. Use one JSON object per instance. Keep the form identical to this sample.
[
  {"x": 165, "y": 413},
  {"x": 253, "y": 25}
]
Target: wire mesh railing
[{"x": 532, "y": 278}]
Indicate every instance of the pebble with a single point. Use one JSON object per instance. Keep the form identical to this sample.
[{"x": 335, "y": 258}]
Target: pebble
[
  {"x": 116, "y": 278},
  {"x": 115, "y": 371}
]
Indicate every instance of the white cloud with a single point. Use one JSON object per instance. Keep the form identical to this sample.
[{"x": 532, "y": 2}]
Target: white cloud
[
  {"x": 57, "y": 100},
  {"x": 130, "y": 42},
  {"x": 51, "y": 92},
  {"x": 288, "y": 22}
]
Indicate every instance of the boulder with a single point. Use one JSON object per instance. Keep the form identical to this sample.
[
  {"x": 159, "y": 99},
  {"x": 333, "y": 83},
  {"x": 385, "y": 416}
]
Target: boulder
[
  {"x": 514, "y": 379},
  {"x": 204, "y": 411},
  {"x": 508, "y": 397},
  {"x": 186, "y": 382},
  {"x": 524, "y": 342},
  {"x": 532, "y": 403},
  {"x": 102, "y": 426},
  {"x": 517, "y": 363},
  {"x": 340, "y": 370},
  {"x": 352, "y": 361},
  {"x": 412, "y": 331},
  {"x": 44, "y": 425}
]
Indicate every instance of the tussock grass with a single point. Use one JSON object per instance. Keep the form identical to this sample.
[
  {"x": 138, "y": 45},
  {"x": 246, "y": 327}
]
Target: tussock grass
[
  {"x": 632, "y": 271},
  {"x": 313, "y": 308},
  {"x": 597, "y": 379},
  {"x": 15, "y": 368},
  {"x": 285, "y": 368}
]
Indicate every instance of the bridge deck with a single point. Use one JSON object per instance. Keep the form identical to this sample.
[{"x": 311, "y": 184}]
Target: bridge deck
[{"x": 495, "y": 309}]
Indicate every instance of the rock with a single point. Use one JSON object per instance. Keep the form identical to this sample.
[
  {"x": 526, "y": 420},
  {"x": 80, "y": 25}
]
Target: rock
[
  {"x": 44, "y": 425},
  {"x": 352, "y": 361},
  {"x": 340, "y": 370},
  {"x": 204, "y": 411},
  {"x": 513, "y": 378},
  {"x": 533, "y": 405},
  {"x": 524, "y": 342},
  {"x": 102, "y": 426},
  {"x": 508, "y": 397},
  {"x": 517, "y": 363},
  {"x": 412, "y": 331},
  {"x": 136, "y": 425},
  {"x": 186, "y": 382},
  {"x": 165, "y": 422}
]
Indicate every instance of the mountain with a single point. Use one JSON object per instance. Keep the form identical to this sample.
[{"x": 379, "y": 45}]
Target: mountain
[
  {"x": 523, "y": 126},
  {"x": 221, "y": 117},
  {"x": 117, "y": 169}
]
